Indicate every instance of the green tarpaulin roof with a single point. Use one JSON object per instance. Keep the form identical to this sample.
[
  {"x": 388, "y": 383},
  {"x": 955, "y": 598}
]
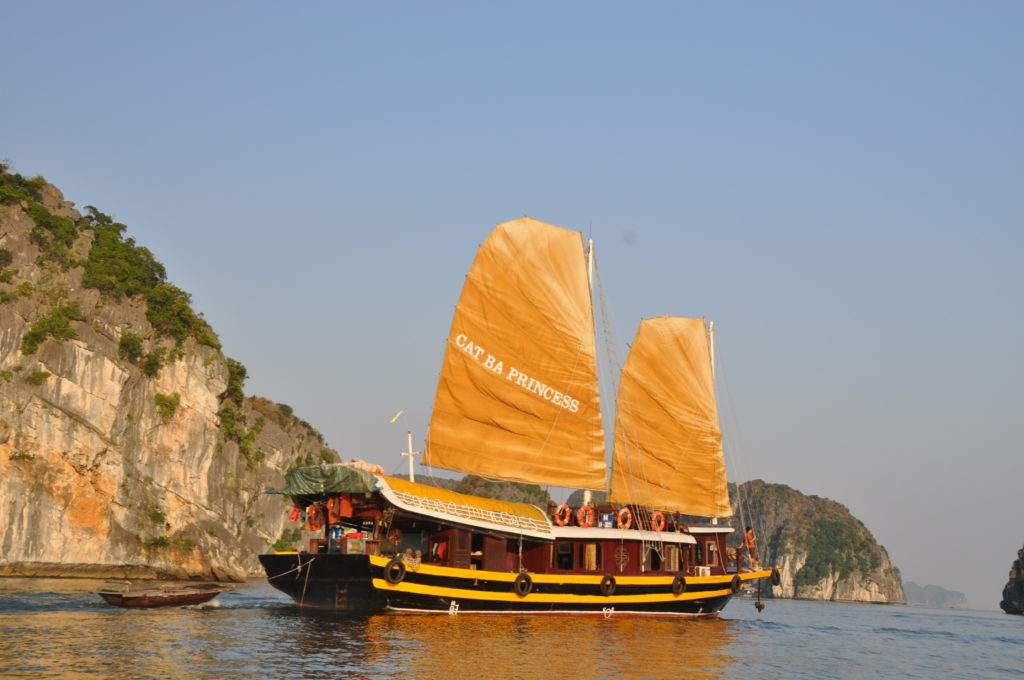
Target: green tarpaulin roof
[{"x": 320, "y": 479}]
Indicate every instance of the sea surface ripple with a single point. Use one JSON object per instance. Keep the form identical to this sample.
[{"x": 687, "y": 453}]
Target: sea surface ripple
[{"x": 59, "y": 628}]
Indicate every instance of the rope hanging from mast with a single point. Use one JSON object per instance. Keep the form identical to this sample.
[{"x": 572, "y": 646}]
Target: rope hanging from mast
[{"x": 642, "y": 514}]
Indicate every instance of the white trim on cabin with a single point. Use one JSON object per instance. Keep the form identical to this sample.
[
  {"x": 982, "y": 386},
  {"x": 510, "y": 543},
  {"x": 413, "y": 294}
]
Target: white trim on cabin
[
  {"x": 710, "y": 529},
  {"x": 594, "y": 533}
]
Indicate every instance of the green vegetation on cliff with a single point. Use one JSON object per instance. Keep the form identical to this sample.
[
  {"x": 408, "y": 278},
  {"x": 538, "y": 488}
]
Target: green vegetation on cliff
[
  {"x": 232, "y": 418},
  {"x": 114, "y": 265},
  {"x": 117, "y": 267},
  {"x": 14, "y": 187},
  {"x": 836, "y": 547},
  {"x": 167, "y": 404},
  {"x": 130, "y": 347},
  {"x": 54, "y": 324}
]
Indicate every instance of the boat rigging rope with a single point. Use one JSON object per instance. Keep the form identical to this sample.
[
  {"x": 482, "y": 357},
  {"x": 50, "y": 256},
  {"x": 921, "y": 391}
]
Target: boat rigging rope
[
  {"x": 302, "y": 600},
  {"x": 298, "y": 568},
  {"x": 642, "y": 513},
  {"x": 742, "y": 502}
]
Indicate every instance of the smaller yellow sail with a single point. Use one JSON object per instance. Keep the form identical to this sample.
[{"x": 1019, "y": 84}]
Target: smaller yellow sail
[{"x": 668, "y": 446}]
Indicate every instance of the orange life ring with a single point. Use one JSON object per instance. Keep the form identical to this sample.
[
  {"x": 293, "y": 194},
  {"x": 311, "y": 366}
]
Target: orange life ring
[
  {"x": 625, "y": 519},
  {"x": 585, "y": 516},
  {"x": 658, "y": 521},
  {"x": 315, "y": 517},
  {"x": 563, "y": 514}
]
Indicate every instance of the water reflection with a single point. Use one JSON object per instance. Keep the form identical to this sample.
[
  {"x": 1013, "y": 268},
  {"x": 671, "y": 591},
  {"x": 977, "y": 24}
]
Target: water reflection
[
  {"x": 60, "y": 629},
  {"x": 442, "y": 647}
]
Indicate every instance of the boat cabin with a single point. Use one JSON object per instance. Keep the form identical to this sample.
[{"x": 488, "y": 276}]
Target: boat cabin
[{"x": 427, "y": 525}]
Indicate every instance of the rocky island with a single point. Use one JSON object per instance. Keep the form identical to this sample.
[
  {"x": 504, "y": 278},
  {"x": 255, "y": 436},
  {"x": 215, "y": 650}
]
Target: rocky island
[
  {"x": 935, "y": 597},
  {"x": 822, "y": 551},
  {"x": 1013, "y": 591},
  {"x": 127, "y": 445}
]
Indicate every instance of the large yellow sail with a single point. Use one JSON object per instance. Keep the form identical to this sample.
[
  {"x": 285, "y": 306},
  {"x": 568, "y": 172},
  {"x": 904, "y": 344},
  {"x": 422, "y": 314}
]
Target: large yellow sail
[
  {"x": 668, "y": 445},
  {"x": 518, "y": 398}
]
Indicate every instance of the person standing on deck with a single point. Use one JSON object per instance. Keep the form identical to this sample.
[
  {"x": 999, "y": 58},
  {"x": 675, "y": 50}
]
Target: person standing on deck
[{"x": 750, "y": 543}]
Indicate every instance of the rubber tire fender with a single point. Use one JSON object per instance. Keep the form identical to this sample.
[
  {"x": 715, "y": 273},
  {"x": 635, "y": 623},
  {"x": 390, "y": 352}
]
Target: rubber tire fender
[
  {"x": 607, "y": 585},
  {"x": 523, "y": 584},
  {"x": 678, "y": 585},
  {"x": 394, "y": 571},
  {"x": 735, "y": 585}
]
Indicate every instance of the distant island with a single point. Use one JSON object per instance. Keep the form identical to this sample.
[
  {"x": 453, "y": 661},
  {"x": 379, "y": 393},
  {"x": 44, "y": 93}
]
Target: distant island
[{"x": 933, "y": 596}]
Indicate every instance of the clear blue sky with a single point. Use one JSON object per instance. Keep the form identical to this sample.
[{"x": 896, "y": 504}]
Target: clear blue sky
[{"x": 838, "y": 186}]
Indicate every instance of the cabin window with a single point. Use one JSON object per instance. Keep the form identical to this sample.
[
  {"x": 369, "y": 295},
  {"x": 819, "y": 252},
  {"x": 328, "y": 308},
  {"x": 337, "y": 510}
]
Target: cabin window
[
  {"x": 671, "y": 558},
  {"x": 712, "y": 553},
  {"x": 563, "y": 555},
  {"x": 591, "y": 557},
  {"x": 652, "y": 559},
  {"x": 698, "y": 553},
  {"x": 476, "y": 551}
]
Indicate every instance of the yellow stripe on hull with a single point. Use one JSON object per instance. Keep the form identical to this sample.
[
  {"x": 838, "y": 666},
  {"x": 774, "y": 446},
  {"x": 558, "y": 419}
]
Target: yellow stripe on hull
[
  {"x": 555, "y": 598},
  {"x": 568, "y": 579},
  {"x": 546, "y": 598}
]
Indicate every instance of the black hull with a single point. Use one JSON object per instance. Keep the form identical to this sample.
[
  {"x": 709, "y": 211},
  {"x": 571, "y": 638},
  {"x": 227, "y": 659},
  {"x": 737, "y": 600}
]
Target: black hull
[
  {"x": 358, "y": 583},
  {"x": 325, "y": 581}
]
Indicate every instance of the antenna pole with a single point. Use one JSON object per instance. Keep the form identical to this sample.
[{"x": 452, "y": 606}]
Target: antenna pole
[{"x": 411, "y": 454}]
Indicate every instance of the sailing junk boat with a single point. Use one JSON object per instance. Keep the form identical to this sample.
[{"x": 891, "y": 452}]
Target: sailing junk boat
[{"x": 518, "y": 400}]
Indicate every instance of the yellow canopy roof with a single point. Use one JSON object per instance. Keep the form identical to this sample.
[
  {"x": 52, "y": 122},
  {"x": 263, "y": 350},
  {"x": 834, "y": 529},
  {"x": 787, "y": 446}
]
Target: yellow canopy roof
[{"x": 431, "y": 501}]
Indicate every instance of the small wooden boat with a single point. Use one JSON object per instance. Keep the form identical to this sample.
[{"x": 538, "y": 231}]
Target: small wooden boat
[{"x": 167, "y": 595}]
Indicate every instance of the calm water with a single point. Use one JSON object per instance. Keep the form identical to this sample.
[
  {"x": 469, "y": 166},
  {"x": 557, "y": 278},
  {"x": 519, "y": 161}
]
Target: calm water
[{"x": 58, "y": 629}]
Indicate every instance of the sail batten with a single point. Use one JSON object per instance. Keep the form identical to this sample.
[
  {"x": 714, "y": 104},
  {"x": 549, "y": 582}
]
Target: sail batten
[
  {"x": 517, "y": 398},
  {"x": 668, "y": 445}
]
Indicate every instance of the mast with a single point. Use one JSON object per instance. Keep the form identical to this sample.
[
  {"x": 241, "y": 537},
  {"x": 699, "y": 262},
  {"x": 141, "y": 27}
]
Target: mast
[
  {"x": 590, "y": 262},
  {"x": 711, "y": 346},
  {"x": 711, "y": 356},
  {"x": 587, "y": 494}
]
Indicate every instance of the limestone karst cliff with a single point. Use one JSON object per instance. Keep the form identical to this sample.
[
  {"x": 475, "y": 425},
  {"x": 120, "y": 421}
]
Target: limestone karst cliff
[
  {"x": 821, "y": 550},
  {"x": 127, "y": 447}
]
